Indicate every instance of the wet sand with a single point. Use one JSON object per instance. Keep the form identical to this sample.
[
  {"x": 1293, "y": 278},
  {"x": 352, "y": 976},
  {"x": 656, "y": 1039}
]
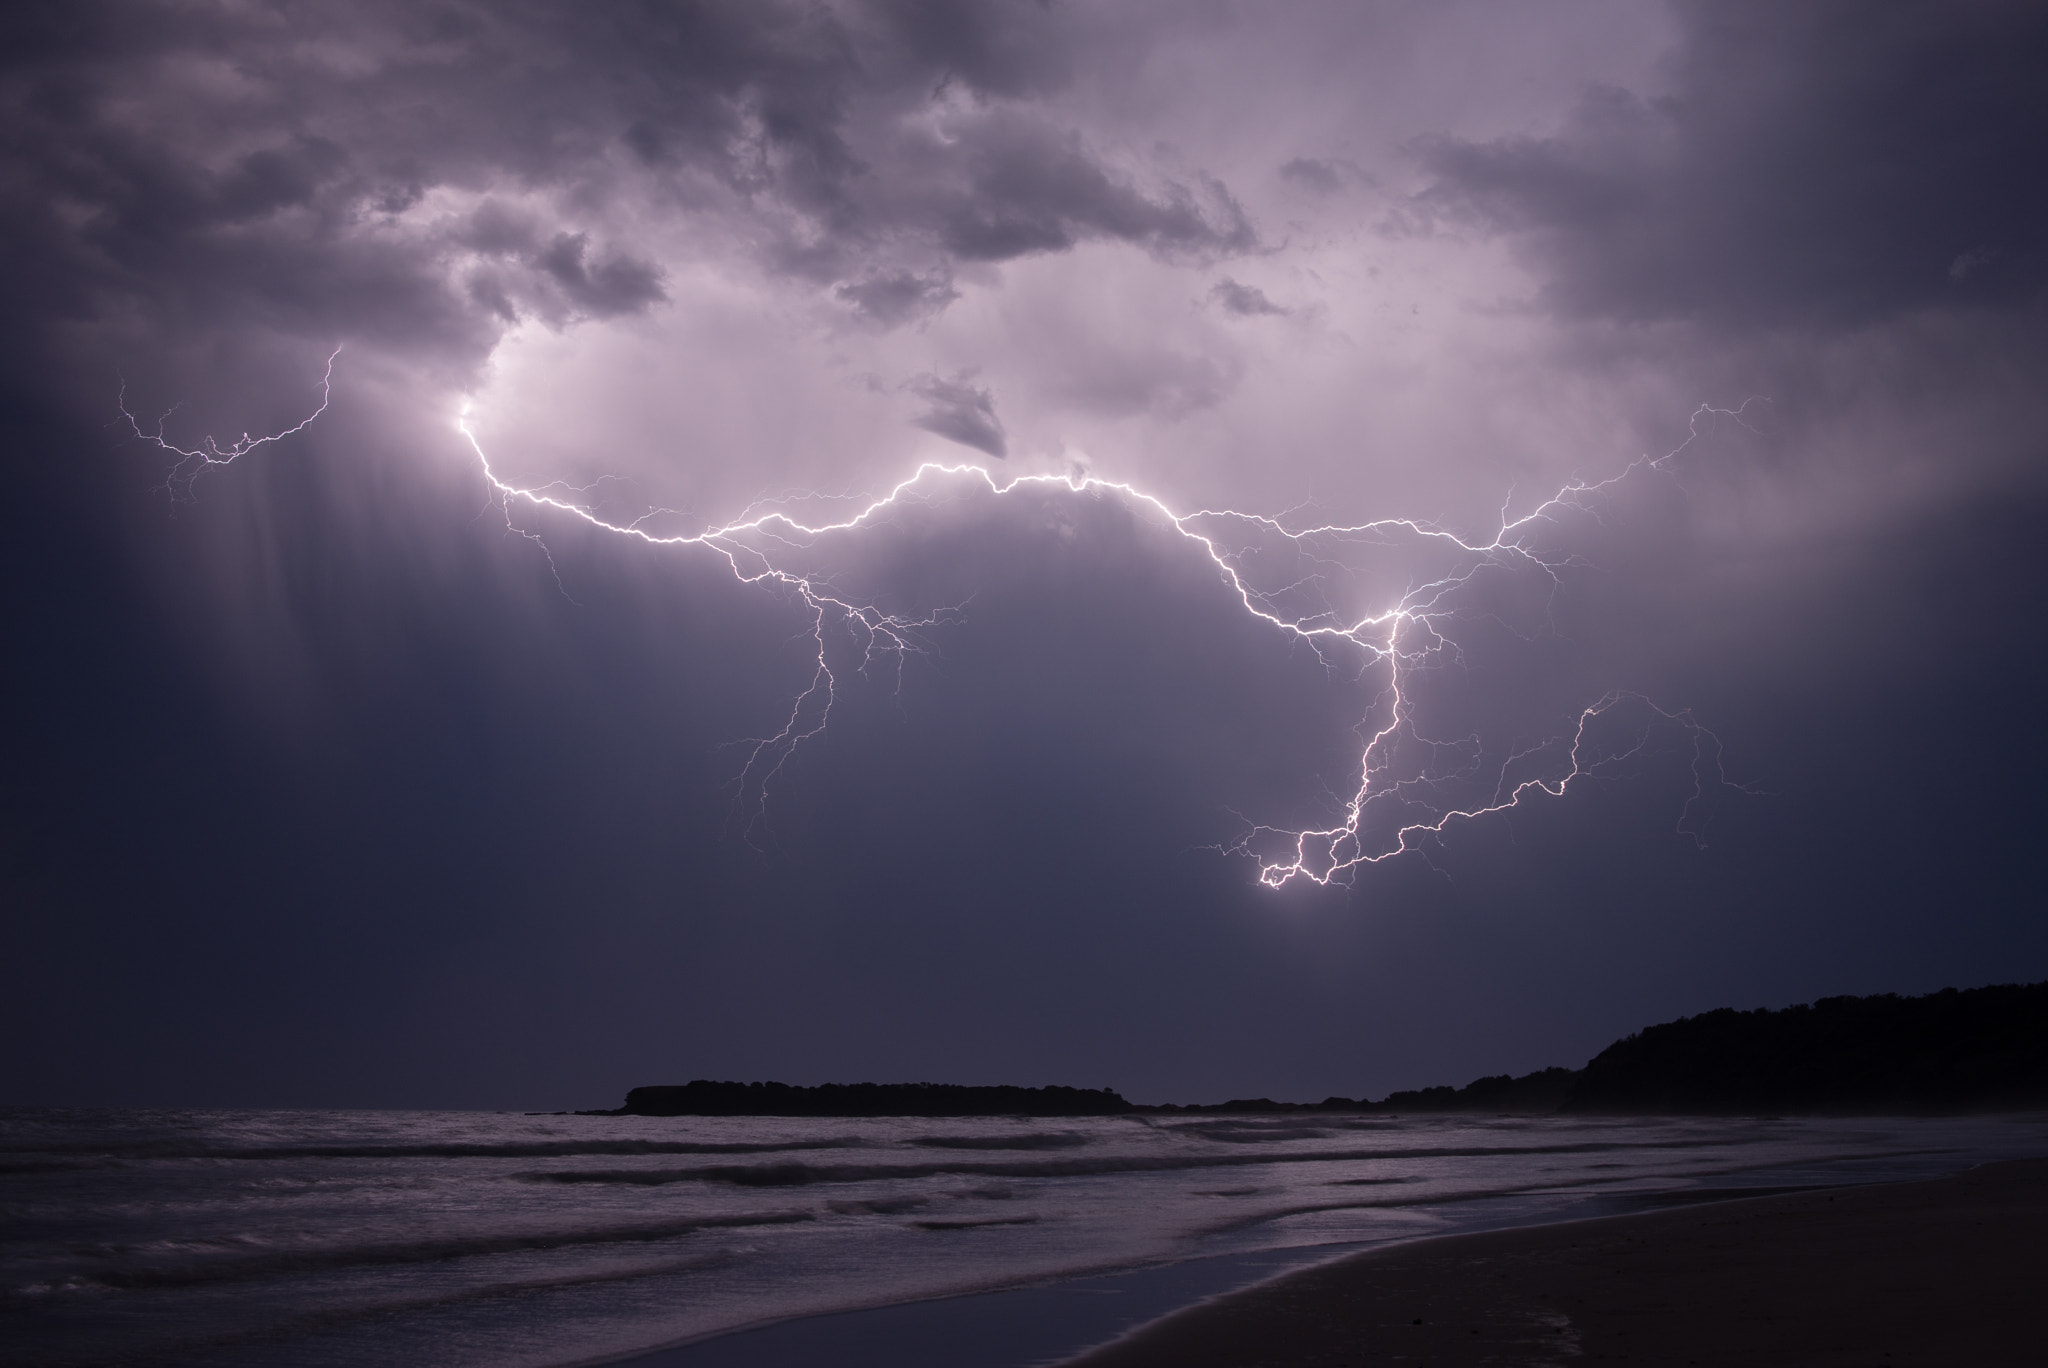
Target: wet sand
[{"x": 1939, "y": 1273}]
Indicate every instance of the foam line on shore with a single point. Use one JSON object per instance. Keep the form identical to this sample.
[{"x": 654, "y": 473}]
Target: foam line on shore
[{"x": 1933, "y": 1272}]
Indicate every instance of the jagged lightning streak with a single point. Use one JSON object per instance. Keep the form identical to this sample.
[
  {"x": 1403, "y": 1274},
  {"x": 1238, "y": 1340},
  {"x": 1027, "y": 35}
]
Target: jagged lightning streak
[
  {"x": 1385, "y": 814},
  {"x": 740, "y": 545},
  {"x": 209, "y": 454}
]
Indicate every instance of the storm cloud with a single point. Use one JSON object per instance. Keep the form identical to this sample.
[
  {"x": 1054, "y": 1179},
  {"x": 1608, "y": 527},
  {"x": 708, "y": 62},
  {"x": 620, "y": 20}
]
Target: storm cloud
[
  {"x": 1246, "y": 301},
  {"x": 1827, "y": 165},
  {"x": 1679, "y": 362},
  {"x": 426, "y": 176},
  {"x": 959, "y": 412}
]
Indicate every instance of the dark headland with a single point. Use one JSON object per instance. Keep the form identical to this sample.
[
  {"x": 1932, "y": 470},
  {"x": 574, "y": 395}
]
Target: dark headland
[{"x": 1984, "y": 1049}]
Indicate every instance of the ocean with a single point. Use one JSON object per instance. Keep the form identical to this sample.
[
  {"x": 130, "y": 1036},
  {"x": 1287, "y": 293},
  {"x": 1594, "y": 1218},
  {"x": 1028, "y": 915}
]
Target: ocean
[{"x": 245, "y": 1239}]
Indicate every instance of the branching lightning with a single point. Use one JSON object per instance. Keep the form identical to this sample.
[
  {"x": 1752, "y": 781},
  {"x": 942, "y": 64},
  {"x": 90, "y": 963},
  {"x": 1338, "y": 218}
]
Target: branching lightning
[
  {"x": 209, "y": 454},
  {"x": 1387, "y": 812}
]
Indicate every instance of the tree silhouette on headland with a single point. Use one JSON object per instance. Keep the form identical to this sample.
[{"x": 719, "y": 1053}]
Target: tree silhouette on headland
[{"x": 1984, "y": 1049}]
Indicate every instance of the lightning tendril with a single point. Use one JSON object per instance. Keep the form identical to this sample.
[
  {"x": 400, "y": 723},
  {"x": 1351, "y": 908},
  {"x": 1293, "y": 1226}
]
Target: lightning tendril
[{"x": 1387, "y": 812}]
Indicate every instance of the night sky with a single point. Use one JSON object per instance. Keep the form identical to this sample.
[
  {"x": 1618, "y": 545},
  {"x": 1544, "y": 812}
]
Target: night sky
[{"x": 339, "y": 775}]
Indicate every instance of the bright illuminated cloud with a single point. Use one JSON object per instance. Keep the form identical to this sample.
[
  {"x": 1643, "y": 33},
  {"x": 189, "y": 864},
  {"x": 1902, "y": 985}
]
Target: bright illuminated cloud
[{"x": 678, "y": 266}]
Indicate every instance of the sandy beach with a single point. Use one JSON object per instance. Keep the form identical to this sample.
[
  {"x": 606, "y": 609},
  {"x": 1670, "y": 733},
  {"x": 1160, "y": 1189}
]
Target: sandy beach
[{"x": 1937, "y": 1273}]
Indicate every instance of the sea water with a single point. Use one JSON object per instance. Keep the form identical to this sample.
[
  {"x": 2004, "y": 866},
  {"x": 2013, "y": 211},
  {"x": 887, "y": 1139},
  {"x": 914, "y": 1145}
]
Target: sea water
[{"x": 459, "y": 1238}]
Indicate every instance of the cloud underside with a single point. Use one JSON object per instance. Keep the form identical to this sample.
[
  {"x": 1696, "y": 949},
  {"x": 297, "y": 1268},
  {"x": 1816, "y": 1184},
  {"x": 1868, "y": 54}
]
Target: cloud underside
[
  {"x": 959, "y": 412},
  {"x": 425, "y": 175}
]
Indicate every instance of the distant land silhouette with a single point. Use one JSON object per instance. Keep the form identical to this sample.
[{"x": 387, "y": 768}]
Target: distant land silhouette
[
  {"x": 705, "y": 1098},
  {"x": 1984, "y": 1049}
]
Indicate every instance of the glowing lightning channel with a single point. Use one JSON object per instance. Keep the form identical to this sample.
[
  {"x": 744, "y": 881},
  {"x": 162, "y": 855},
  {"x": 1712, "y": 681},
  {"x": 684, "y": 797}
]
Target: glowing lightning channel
[
  {"x": 1405, "y": 637},
  {"x": 193, "y": 463}
]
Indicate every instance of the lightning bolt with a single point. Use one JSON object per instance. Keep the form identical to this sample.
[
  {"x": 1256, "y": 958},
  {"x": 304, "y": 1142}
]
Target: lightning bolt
[
  {"x": 1391, "y": 808},
  {"x": 210, "y": 454}
]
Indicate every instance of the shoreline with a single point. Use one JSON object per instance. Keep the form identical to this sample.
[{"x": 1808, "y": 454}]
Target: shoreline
[
  {"x": 1935, "y": 1272},
  {"x": 1149, "y": 1305}
]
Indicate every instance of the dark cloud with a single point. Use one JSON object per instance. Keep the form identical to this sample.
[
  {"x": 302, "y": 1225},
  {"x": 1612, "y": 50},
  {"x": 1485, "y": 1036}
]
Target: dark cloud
[
  {"x": 1033, "y": 188},
  {"x": 333, "y": 169},
  {"x": 616, "y": 285},
  {"x": 959, "y": 412},
  {"x": 525, "y": 271},
  {"x": 1828, "y": 164},
  {"x": 1323, "y": 176},
  {"x": 889, "y": 299},
  {"x": 1246, "y": 301},
  {"x": 1312, "y": 172},
  {"x": 996, "y": 47}
]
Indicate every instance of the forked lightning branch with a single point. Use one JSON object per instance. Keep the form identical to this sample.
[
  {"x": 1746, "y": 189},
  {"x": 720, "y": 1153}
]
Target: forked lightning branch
[{"x": 1393, "y": 806}]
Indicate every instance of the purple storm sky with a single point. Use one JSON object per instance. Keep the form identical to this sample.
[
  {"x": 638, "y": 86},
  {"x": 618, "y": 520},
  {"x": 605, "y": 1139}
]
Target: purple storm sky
[{"x": 344, "y": 774}]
